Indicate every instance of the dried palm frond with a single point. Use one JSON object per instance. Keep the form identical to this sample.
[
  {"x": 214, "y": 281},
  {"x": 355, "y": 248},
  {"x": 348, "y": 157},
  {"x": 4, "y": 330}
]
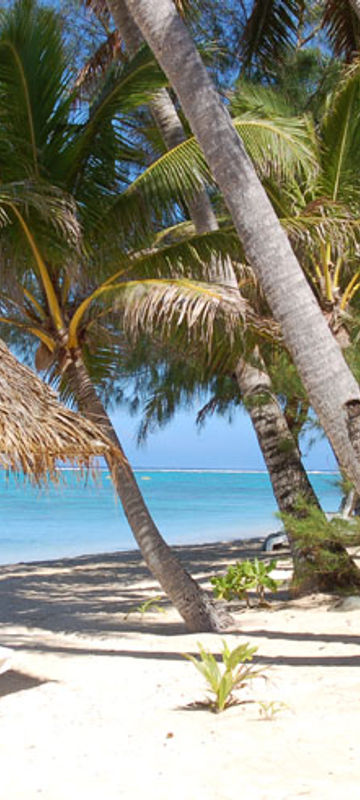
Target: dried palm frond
[
  {"x": 108, "y": 52},
  {"x": 162, "y": 307},
  {"x": 36, "y": 430},
  {"x": 100, "y": 9}
]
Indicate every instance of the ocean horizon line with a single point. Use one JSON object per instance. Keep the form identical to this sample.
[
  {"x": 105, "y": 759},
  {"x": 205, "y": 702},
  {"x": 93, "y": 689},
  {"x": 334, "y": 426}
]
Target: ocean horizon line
[{"x": 222, "y": 470}]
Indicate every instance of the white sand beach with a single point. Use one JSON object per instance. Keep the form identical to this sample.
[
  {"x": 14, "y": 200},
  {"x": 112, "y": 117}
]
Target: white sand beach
[{"x": 97, "y": 704}]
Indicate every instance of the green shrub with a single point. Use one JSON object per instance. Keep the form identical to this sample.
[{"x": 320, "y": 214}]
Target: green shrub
[
  {"x": 234, "y": 675},
  {"x": 243, "y": 577}
]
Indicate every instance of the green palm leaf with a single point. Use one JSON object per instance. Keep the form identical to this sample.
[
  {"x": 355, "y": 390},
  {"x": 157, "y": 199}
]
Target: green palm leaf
[
  {"x": 270, "y": 29},
  {"x": 278, "y": 145},
  {"x": 340, "y": 135},
  {"x": 32, "y": 70},
  {"x": 104, "y": 137}
]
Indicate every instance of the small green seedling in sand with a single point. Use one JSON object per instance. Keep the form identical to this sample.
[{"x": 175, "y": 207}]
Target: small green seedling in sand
[
  {"x": 268, "y": 711},
  {"x": 243, "y": 577},
  {"x": 235, "y": 674},
  {"x": 152, "y": 604}
]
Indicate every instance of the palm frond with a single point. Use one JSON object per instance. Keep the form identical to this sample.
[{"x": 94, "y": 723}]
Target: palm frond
[
  {"x": 100, "y": 9},
  {"x": 108, "y": 52},
  {"x": 192, "y": 309},
  {"x": 340, "y": 134},
  {"x": 323, "y": 221},
  {"x": 343, "y": 27},
  {"x": 102, "y": 139},
  {"x": 32, "y": 83},
  {"x": 193, "y": 255},
  {"x": 152, "y": 305},
  {"x": 51, "y": 205},
  {"x": 262, "y": 101},
  {"x": 278, "y": 145},
  {"x": 270, "y": 29}
]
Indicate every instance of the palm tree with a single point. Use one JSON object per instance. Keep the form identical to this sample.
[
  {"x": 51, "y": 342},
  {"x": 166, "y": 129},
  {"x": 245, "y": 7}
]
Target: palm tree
[
  {"x": 287, "y": 474},
  {"x": 327, "y": 197},
  {"x": 313, "y": 348},
  {"x": 44, "y": 141}
]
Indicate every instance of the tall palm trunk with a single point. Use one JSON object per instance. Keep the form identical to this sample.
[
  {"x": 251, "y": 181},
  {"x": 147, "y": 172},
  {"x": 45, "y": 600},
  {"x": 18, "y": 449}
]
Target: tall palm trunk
[
  {"x": 331, "y": 387},
  {"x": 278, "y": 446},
  {"x": 192, "y": 603}
]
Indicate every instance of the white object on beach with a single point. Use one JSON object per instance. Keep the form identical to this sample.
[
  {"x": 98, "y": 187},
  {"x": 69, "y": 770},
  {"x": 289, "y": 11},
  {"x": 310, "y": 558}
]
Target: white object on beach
[
  {"x": 6, "y": 658},
  {"x": 274, "y": 541}
]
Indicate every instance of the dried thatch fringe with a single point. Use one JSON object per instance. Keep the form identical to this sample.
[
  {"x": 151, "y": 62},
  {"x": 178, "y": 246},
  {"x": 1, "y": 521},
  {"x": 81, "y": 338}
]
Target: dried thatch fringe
[{"x": 36, "y": 431}]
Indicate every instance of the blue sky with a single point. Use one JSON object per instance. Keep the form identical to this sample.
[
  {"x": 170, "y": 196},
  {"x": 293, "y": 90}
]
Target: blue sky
[{"x": 216, "y": 445}]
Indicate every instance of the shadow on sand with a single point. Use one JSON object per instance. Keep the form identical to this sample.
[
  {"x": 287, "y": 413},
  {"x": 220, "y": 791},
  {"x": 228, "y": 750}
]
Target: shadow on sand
[
  {"x": 93, "y": 595},
  {"x": 96, "y": 596},
  {"x": 13, "y": 681}
]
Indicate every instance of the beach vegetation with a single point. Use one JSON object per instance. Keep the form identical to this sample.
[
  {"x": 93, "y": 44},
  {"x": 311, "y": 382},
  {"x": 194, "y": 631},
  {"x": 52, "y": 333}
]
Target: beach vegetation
[
  {"x": 151, "y": 604},
  {"x": 270, "y": 709},
  {"x": 234, "y": 674},
  {"x": 321, "y": 546},
  {"x": 244, "y": 577}
]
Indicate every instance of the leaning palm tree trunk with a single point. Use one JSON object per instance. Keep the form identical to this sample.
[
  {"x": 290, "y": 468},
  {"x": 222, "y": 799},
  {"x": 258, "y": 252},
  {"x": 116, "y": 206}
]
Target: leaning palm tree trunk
[
  {"x": 192, "y": 603},
  {"x": 331, "y": 387},
  {"x": 278, "y": 446}
]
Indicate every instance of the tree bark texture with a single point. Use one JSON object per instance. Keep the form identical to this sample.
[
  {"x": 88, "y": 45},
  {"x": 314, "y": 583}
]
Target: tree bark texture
[
  {"x": 328, "y": 380},
  {"x": 197, "y": 610},
  {"x": 281, "y": 454}
]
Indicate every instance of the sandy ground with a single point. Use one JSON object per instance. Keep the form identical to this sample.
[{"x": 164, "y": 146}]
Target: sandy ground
[{"x": 98, "y": 704}]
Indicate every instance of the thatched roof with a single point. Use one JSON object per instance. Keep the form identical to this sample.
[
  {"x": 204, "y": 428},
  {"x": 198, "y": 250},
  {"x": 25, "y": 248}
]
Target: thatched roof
[{"x": 35, "y": 429}]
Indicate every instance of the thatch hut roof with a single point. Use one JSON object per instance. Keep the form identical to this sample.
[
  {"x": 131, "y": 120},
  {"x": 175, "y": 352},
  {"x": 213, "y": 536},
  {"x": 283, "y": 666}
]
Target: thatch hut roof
[{"x": 35, "y": 429}]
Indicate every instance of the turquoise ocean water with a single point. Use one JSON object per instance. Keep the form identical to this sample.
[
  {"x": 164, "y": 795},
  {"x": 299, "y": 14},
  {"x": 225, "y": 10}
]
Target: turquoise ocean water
[{"x": 188, "y": 506}]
